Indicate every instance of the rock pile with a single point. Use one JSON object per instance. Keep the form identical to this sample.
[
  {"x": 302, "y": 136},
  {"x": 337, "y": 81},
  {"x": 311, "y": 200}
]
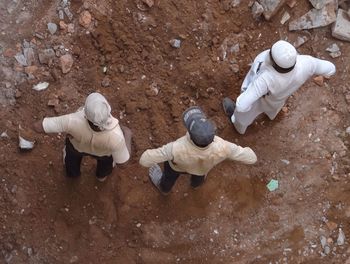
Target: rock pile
[{"x": 323, "y": 13}]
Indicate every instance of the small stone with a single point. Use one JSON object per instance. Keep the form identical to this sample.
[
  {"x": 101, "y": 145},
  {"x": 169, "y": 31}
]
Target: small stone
[
  {"x": 138, "y": 225},
  {"x": 53, "y": 102},
  {"x": 68, "y": 13},
  {"x": 257, "y": 10},
  {"x": 106, "y": 82},
  {"x": 341, "y": 238},
  {"x": 46, "y": 56},
  {"x": 291, "y": 3},
  {"x": 76, "y": 51},
  {"x": 271, "y": 7},
  {"x": 348, "y": 130},
  {"x": 318, "y": 4},
  {"x": 18, "y": 94},
  {"x": 287, "y": 162},
  {"x": 85, "y": 19},
  {"x": 30, "y": 252},
  {"x": 74, "y": 259},
  {"x": 29, "y": 55},
  {"x": 41, "y": 86},
  {"x": 327, "y": 249},
  {"x": 52, "y": 27},
  {"x": 331, "y": 225},
  {"x": 285, "y": 109},
  {"x": 39, "y": 35},
  {"x": 70, "y": 28},
  {"x": 175, "y": 43},
  {"x": 25, "y": 144},
  {"x": 31, "y": 69},
  {"x": 66, "y": 62},
  {"x": 334, "y": 50},
  {"x": 63, "y": 25},
  {"x": 4, "y": 135},
  {"x": 60, "y": 14},
  {"x": 234, "y": 68},
  {"x": 319, "y": 80},
  {"x": 149, "y": 3},
  {"x": 323, "y": 241},
  {"x": 285, "y": 18},
  {"x": 21, "y": 59}
]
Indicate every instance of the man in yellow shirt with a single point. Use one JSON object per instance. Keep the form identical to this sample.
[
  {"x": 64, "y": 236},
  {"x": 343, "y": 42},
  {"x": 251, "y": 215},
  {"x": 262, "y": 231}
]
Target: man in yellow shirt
[
  {"x": 196, "y": 153},
  {"x": 91, "y": 131}
]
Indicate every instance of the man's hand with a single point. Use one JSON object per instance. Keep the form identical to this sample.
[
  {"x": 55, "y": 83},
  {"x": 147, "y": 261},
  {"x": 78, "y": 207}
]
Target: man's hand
[{"x": 38, "y": 127}]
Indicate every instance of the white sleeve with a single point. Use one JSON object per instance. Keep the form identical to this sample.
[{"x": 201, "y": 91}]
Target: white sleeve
[
  {"x": 255, "y": 90},
  {"x": 56, "y": 124},
  {"x": 121, "y": 154},
  {"x": 154, "y": 156},
  {"x": 324, "y": 68}
]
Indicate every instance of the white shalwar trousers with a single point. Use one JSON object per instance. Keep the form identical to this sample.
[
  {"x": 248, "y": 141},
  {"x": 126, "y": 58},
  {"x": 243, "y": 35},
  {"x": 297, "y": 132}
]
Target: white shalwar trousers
[{"x": 245, "y": 119}]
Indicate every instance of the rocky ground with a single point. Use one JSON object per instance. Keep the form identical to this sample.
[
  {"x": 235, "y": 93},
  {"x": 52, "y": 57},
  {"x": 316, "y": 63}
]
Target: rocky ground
[{"x": 153, "y": 59}]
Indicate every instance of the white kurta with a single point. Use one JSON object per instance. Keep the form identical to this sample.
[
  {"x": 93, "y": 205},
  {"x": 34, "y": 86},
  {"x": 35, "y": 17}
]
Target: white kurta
[{"x": 264, "y": 90}]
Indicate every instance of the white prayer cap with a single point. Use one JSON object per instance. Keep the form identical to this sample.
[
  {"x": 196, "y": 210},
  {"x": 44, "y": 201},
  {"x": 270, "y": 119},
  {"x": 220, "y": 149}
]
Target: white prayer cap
[{"x": 284, "y": 54}]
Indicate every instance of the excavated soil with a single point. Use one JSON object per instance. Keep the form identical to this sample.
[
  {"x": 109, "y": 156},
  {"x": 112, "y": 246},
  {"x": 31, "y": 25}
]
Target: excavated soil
[{"x": 126, "y": 55}]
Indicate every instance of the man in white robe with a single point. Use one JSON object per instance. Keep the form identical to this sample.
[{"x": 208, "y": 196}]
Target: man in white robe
[{"x": 274, "y": 75}]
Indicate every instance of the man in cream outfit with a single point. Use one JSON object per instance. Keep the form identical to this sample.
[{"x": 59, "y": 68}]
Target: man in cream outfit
[
  {"x": 196, "y": 153},
  {"x": 91, "y": 131},
  {"x": 275, "y": 75}
]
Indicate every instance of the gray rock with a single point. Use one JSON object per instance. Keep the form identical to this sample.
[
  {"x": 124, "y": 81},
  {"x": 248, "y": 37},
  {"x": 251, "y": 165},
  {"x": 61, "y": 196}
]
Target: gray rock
[
  {"x": 348, "y": 130},
  {"x": 60, "y": 14},
  {"x": 334, "y": 50},
  {"x": 39, "y": 35},
  {"x": 175, "y": 43},
  {"x": 315, "y": 18},
  {"x": 25, "y": 144},
  {"x": 68, "y": 13},
  {"x": 341, "y": 237},
  {"x": 319, "y": 4},
  {"x": 74, "y": 259},
  {"x": 46, "y": 56},
  {"x": 341, "y": 28},
  {"x": 30, "y": 251},
  {"x": 12, "y": 6},
  {"x": 52, "y": 27},
  {"x": 327, "y": 250},
  {"x": 29, "y": 55},
  {"x": 257, "y": 10},
  {"x": 285, "y": 18},
  {"x": 21, "y": 59},
  {"x": 323, "y": 241},
  {"x": 66, "y": 63},
  {"x": 271, "y": 7},
  {"x": 106, "y": 82},
  {"x": 300, "y": 41}
]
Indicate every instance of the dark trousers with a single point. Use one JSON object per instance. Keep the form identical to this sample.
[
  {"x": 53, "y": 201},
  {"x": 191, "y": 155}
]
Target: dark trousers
[
  {"x": 170, "y": 176},
  {"x": 73, "y": 160}
]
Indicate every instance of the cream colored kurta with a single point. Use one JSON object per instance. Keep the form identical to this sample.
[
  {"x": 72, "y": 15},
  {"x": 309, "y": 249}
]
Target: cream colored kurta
[
  {"x": 84, "y": 139},
  {"x": 184, "y": 156},
  {"x": 264, "y": 90}
]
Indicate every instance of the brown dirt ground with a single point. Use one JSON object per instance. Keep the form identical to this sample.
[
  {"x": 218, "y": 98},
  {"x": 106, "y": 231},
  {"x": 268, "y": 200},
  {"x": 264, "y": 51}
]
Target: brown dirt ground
[{"x": 233, "y": 218}]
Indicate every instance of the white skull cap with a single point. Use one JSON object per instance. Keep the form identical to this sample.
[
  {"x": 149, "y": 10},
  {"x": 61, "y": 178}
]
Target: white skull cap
[
  {"x": 98, "y": 111},
  {"x": 284, "y": 54}
]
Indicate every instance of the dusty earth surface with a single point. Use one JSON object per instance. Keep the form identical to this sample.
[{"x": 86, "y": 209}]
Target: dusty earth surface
[{"x": 125, "y": 54}]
